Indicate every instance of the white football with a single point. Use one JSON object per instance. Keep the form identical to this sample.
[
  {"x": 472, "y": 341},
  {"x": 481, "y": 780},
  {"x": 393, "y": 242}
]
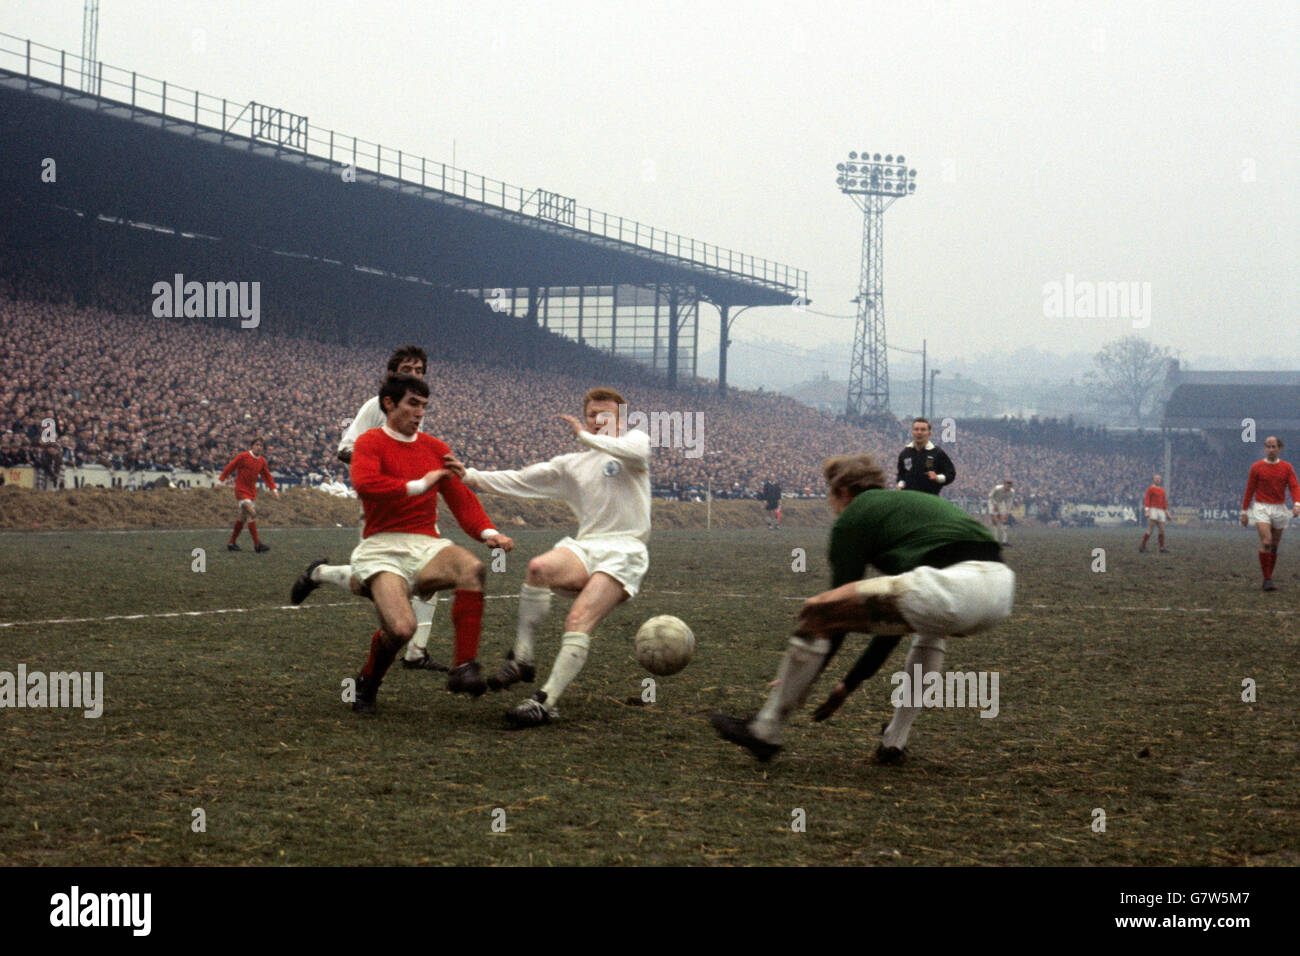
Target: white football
[{"x": 664, "y": 645}]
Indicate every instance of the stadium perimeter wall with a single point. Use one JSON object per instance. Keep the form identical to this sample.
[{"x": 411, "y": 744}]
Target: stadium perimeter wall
[
  {"x": 114, "y": 509},
  {"x": 118, "y": 509}
]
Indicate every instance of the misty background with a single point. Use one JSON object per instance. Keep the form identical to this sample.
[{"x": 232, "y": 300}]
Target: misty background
[{"x": 1150, "y": 143}]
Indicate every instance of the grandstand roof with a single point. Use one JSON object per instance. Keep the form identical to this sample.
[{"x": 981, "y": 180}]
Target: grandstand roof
[
  {"x": 1222, "y": 400},
  {"x": 157, "y": 153}
]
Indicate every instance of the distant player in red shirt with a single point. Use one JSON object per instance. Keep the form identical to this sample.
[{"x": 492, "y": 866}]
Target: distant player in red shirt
[
  {"x": 247, "y": 467},
  {"x": 1267, "y": 486},
  {"x": 1156, "y": 507},
  {"x": 398, "y": 473}
]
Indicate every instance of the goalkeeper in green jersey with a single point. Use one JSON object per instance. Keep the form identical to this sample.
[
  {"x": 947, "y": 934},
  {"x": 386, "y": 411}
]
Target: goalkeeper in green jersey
[{"x": 941, "y": 576}]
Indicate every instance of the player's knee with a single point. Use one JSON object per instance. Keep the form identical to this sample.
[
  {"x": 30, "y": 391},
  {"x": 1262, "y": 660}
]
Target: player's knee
[
  {"x": 402, "y": 631},
  {"x": 538, "y": 572},
  {"x": 473, "y": 571}
]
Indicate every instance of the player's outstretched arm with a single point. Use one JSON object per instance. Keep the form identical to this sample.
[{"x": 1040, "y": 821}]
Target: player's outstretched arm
[
  {"x": 546, "y": 479},
  {"x": 633, "y": 448},
  {"x": 469, "y": 513}
]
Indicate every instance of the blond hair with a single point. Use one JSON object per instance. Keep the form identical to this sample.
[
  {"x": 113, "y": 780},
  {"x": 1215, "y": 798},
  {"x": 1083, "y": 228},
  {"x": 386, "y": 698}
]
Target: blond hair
[
  {"x": 602, "y": 394},
  {"x": 856, "y": 473}
]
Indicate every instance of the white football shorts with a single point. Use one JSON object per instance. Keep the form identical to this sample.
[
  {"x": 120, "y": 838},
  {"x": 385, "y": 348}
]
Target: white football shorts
[
  {"x": 1157, "y": 514},
  {"x": 1279, "y": 516},
  {"x": 396, "y": 551},
  {"x": 963, "y": 598},
  {"x": 624, "y": 558}
]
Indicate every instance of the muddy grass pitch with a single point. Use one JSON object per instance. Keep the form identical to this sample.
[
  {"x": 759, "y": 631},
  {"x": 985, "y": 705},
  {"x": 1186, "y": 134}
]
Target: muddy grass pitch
[{"x": 1120, "y": 691}]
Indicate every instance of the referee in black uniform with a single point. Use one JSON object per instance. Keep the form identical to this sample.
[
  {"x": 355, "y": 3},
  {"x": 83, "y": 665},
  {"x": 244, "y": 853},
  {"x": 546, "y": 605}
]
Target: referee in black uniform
[{"x": 922, "y": 466}]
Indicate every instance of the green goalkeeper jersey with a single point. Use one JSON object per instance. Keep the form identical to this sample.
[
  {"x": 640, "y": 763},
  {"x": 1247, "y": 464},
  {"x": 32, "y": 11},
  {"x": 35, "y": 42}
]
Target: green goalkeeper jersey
[{"x": 896, "y": 531}]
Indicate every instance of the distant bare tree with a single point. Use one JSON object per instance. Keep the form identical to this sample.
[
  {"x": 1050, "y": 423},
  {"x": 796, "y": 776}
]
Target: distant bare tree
[{"x": 1127, "y": 374}]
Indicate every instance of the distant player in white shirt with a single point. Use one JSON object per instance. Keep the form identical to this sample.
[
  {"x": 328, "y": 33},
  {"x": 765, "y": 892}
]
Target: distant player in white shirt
[
  {"x": 607, "y": 486},
  {"x": 408, "y": 360},
  {"x": 1000, "y": 500}
]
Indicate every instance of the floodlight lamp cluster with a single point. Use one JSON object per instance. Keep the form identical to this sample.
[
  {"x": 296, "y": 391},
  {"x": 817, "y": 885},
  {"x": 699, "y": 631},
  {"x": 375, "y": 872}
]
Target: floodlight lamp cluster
[{"x": 875, "y": 175}]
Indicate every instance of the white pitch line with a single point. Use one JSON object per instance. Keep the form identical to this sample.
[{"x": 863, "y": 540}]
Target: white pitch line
[
  {"x": 218, "y": 610},
  {"x": 511, "y": 597}
]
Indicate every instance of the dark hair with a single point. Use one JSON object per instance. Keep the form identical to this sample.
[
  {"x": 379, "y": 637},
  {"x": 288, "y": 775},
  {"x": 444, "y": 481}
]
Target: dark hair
[
  {"x": 915, "y": 420},
  {"x": 405, "y": 353},
  {"x": 256, "y": 439},
  {"x": 395, "y": 387}
]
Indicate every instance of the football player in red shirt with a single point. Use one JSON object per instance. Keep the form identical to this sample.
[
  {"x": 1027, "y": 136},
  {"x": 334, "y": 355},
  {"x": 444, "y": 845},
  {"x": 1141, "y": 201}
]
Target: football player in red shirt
[
  {"x": 407, "y": 360},
  {"x": 247, "y": 467},
  {"x": 1267, "y": 485},
  {"x": 1156, "y": 507},
  {"x": 398, "y": 473}
]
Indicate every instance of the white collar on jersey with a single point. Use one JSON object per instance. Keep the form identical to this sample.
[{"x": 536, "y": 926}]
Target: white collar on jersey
[
  {"x": 929, "y": 446},
  {"x": 398, "y": 436}
]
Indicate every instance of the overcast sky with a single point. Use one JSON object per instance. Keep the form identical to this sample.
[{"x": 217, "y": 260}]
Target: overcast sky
[{"x": 1138, "y": 142}]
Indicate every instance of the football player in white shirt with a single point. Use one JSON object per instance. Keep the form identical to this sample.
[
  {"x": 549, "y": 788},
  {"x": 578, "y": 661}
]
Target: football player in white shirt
[
  {"x": 408, "y": 360},
  {"x": 1000, "y": 500},
  {"x": 607, "y": 486}
]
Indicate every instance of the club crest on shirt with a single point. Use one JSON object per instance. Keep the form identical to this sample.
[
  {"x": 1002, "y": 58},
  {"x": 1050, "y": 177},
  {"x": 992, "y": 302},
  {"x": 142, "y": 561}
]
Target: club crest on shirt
[
  {"x": 907, "y": 464},
  {"x": 611, "y": 468}
]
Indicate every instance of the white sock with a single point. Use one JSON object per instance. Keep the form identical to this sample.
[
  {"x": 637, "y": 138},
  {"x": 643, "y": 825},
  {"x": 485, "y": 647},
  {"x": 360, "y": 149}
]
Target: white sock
[
  {"x": 928, "y": 652},
  {"x": 799, "y": 668},
  {"x": 534, "y": 605},
  {"x": 573, "y": 654},
  {"x": 417, "y": 646},
  {"x": 339, "y": 575}
]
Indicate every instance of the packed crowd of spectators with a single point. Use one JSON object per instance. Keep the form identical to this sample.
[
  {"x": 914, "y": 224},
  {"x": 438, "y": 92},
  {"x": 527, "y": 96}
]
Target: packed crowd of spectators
[{"x": 111, "y": 384}]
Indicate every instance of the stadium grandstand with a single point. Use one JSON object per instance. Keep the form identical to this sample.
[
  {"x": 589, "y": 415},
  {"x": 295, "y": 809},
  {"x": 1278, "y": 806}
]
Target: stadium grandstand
[
  {"x": 327, "y": 251},
  {"x": 1232, "y": 412}
]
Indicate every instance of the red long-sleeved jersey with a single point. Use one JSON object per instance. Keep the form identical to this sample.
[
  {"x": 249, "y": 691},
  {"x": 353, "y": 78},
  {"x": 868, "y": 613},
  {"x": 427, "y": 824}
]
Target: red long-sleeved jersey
[
  {"x": 381, "y": 467},
  {"x": 1268, "y": 483},
  {"x": 1156, "y": 498},
  {"x": 248, "y": 468}
]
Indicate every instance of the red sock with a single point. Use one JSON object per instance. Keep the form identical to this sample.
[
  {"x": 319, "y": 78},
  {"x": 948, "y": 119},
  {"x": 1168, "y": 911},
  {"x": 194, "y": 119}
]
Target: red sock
[
  {"x": 1264, "y": 563},
  {"x": 467, "y": 619},
  {"x": 1161, "y": 538},
  {"x": 239, "y": 526},
  {"x": 252, "y": 529},
  {"x": 381, "y": 657},
  {"x": 1272, "y": 562},
  {"x": 1145, "y": 538}
]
